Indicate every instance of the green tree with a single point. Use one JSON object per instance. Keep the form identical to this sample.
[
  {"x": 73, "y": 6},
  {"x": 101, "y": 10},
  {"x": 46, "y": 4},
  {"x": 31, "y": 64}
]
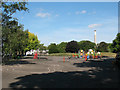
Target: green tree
[
  {"x": 72, "y": 47},
  {"x": 53, "y": 48},
  {"x": 61, "y": 47},
  {"x": 115, "y": 46},
  {"x": 86, "y": 45},
  {"x": 42, "y": 47},
  {"x": 33, "y": 42},
  {"x": 102, "y": 47},
  {"x": 16, "y": 41},
  {"x": 11, "y": 29},
  {"x": 109, "y": 47}
]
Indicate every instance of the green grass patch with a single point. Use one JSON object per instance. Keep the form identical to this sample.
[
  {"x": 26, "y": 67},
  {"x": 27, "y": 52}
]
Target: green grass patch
[
  {"x": 60, "y": 54},
  {"x": 109, "y": 54}
]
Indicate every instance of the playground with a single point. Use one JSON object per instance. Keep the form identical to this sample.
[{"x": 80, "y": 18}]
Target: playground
[{"x": 60, "y": 72}]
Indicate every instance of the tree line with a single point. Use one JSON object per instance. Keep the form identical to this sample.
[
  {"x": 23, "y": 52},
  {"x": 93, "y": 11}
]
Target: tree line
[
  {"x": 74, "y": 46},
  {"x": 15, "y": 40}
]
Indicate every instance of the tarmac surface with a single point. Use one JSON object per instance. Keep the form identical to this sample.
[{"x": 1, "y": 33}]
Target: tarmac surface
[{"x": 53, "y": 72}]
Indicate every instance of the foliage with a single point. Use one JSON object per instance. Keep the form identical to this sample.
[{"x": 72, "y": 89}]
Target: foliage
[
  {"x": 86, "y": 45},
  {"x": 61, "y": 47},
  {"x": 42, "y": 47},
  {"x": 102, "y": 47},
  {"x": 72, "y": 47},
  {"x": 115, "y": 46},
  {"x": 14, "y": 39},
  {"x": 109, "y": 47},
  {"x": 53, "y": 48},
  {"x": 33, "y": 42}
]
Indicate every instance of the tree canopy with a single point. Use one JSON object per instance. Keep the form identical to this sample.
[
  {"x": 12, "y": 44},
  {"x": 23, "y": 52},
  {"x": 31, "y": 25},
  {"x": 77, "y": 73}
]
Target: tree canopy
[
  {"x": 61, "y": 47},
  {"x": 53, "y": 48},
  {"x": 14, "y": 37},
  {"x": 115, "y": 46},
  {"x": 86, "y": 45},
  {"x": 103, "y": 47},
  {"x": 72, "y": 47},
  {"x": 33, "y": 42}
]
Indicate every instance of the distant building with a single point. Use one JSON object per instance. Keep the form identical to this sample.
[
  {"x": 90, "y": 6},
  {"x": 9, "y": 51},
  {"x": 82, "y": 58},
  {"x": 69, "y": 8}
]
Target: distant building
[{"x": 41, "y": 52}]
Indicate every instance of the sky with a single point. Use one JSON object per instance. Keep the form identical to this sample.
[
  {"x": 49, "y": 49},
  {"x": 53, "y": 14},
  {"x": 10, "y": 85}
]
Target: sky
[{"x": 56, "y": 22}]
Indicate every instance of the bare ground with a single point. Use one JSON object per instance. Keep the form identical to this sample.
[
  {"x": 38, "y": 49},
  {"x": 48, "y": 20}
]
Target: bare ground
[{"x": 52, "y": 72}]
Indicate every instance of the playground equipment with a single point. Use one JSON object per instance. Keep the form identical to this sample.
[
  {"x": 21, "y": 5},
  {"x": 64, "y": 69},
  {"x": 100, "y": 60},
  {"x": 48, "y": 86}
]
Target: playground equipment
[{"x": 88, "y": 55}]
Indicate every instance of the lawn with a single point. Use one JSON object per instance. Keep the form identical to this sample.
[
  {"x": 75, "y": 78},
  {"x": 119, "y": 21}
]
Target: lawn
[{"x": 109, "y": 54}]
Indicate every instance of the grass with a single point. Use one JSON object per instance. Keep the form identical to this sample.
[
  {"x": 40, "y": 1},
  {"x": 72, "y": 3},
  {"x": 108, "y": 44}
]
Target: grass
[
  {"x": 60, "y": 54},
  {"x": 109, "y": 54}
]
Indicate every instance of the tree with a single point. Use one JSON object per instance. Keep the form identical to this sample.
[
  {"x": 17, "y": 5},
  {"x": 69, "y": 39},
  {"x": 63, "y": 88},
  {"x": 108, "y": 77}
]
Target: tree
[
  {"x": 53, "y": 48},
  {"x": 86, "y": 45},
  {"x": 109, "y": 47},
  {"x": 115, "y": 46},
  {"x": 72, "y": 47},
  {"x": 11, "y": 30},
  {"x": 102, "y": 47},
  {"x": 42, "y": 47},
  {"x": 15, "y": 42},
  {"x": 61, "y": 47},
  {"x": 33, "y": 42}
]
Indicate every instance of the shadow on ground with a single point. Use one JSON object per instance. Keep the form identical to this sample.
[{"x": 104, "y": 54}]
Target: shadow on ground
[
  {"x": 17, "y": 62},
  {"x": 103, "y": 76},
  {"x": 31, "y": 57},
  {"x": 97, "y": 63}
]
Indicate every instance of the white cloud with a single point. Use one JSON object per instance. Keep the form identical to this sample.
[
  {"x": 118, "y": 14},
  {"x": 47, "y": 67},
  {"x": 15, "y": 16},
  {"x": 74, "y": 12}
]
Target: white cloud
[
  {"x": 42, "y": 15},
  {"x": 80, "y": 12},
  {"x": 94, "y": 25},
  {"x": 84, "y": 11}
]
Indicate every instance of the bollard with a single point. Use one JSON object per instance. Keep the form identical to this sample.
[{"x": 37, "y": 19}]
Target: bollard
[{"x": 63, "y": 58}]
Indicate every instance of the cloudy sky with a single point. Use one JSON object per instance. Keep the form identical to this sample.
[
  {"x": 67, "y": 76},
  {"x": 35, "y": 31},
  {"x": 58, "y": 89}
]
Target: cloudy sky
[{"x": 55, "y": 22}]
